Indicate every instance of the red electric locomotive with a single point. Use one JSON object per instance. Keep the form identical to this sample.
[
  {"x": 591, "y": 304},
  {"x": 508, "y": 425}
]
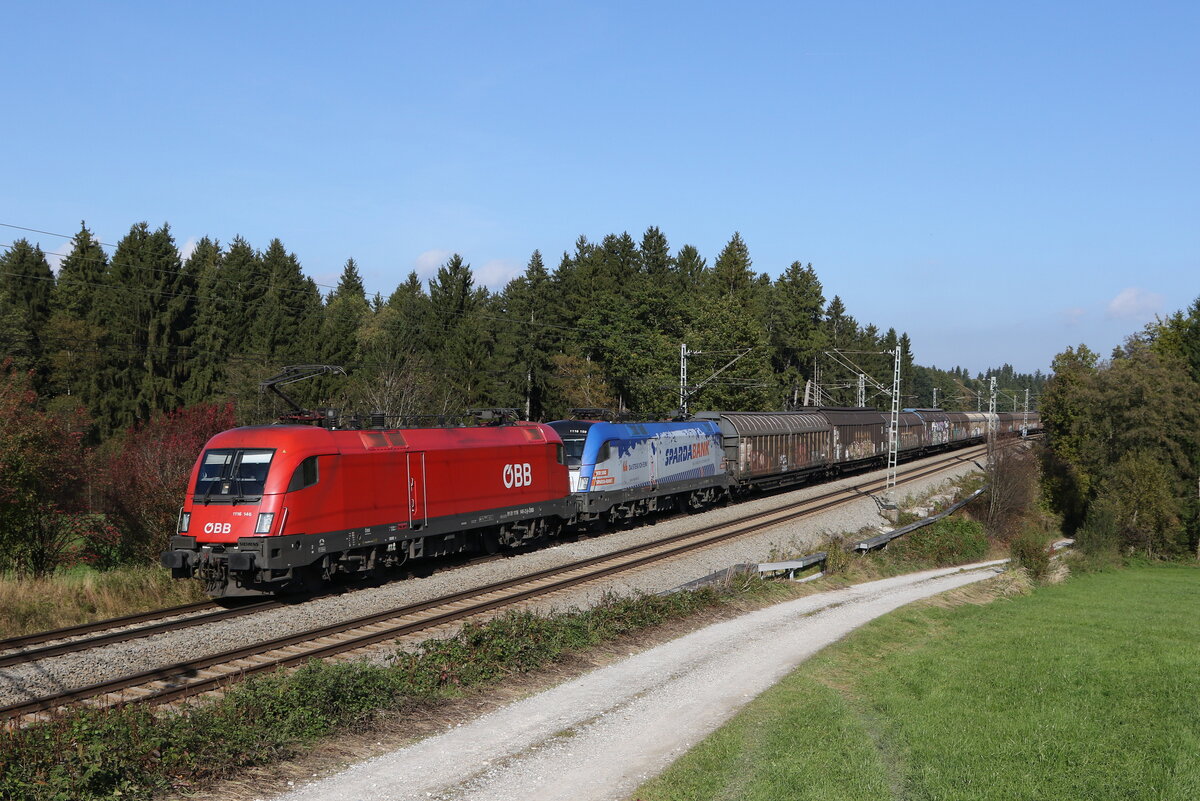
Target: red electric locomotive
[{"x": 276, "y": 507}]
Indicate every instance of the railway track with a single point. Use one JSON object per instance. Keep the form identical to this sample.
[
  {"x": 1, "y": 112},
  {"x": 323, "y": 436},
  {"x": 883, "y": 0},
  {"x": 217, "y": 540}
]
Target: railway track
[
  {"x": 210, "y": 673},
  {"x": 74, "y": 639}
]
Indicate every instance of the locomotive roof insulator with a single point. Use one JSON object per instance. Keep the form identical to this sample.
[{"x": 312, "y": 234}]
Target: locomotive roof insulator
[
  {"x": 604, "y": 415},
  {"x": 495, "y": 415}
]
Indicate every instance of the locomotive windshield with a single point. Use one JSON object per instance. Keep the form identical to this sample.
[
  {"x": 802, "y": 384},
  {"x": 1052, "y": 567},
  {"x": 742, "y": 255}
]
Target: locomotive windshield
[
  {"x": 573, "y": 434},
  {"x": 574, "y": 449},
  {"x": 233, "y": 475}
]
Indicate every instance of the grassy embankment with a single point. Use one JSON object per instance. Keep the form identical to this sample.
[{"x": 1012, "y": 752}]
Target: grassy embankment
[
  {"x": 82, "y": 595},
  {"x": 1085, "y": 689}
]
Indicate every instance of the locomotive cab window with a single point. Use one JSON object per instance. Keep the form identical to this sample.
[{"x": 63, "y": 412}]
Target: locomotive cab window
[
  {"x": 574, "y": 450},
  {"x": 604, "y": 453},
  {"x": 230, "y": 475},
  {"x": 305, "y": 476}
]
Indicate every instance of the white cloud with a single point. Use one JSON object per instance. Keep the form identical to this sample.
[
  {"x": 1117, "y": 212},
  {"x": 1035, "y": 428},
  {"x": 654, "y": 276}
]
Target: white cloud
[
  {"x": 492, "y": 274},
  {"x": 327, "y": 282},
  {"x": 428, "y": 262},
  {"x": 1073, "y": 315},
  {"x": 1134, "y": 303},
  {"x": 189, "y": 247},
  {"x": 496, "y": 273},
  {"x": 54, "y": 257}
]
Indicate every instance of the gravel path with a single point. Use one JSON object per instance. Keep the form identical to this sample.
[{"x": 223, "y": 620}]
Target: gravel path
[
  {"x": 23, "y": 682},
  {"x": 600, "y": 736}
]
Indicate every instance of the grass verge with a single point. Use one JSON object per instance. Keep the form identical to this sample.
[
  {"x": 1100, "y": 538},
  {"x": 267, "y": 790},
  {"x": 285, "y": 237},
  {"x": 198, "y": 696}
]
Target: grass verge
[
  {"x": 1084, "y": 689},
  {"x": 135, "y": 753},
  {"x": 82, "y": 595}
]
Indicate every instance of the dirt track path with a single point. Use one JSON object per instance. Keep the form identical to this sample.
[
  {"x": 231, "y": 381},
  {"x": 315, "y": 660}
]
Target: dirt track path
[{"x": 601, "y": 735}]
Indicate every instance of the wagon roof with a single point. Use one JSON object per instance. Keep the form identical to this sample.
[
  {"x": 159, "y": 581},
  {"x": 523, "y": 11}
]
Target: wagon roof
[
  {"x": 770, "y": 422},
  {"x": 850, "y": 415}
]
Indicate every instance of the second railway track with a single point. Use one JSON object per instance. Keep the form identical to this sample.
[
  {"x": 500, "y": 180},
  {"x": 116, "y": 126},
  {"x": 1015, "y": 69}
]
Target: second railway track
[{"x": 208, "y": 673}]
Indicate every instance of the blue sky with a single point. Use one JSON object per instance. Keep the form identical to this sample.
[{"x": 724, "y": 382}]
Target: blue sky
[{"x": 999, "y": 180}]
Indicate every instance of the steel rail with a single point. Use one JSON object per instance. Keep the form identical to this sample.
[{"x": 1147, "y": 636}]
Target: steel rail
[
  {"x": 619, "y": 561},
  {"x": 100, "y": 625},
  {"x": 112, "y": 637}
]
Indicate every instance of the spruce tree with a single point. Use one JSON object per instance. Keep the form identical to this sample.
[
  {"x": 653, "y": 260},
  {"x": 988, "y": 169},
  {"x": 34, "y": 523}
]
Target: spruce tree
[
  {"x": 795, "y": 325},
  {"x": 411, "y": 325},
  {"x": 839, "y": 326},
  {"x": 72, "y": 341},
  {"x": 908, "y": 391},
  {"x": 209, "y": 344},
  {"x": 394, "y": 374},
  {"x": 732, "y": 276},
  {"x": 25, "y": 286},
  {"x": 661, "y": 301},
  {"x": 242, "y": 286},
  {"x": 277, "y": 328},
  {"x": 169, "y": 328},
  {"x": 724, "y": 327},
  {"x": 80, "y": 274},
  {"x": 692, "y": 268},
  {"x": 525, "y": 341},
  {"x": 691, "y": 281},
  {"x": 345, "y": 312},
  {"x": 123, "y": 307},
  {"x": 233, "y": 295},
  {"x": 576, "y": 291},
  {"x": 464, "y": 351}
]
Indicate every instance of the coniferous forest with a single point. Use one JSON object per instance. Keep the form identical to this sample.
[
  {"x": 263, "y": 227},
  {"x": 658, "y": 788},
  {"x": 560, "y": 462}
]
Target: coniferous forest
[{"x": 119, "y": 366}]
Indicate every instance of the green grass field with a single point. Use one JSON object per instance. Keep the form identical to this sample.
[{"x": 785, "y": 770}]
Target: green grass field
[{"x": 1088, "y": 689}]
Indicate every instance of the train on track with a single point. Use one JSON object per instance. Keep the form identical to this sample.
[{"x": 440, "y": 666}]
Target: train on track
[{"x": 282, "y": 507}]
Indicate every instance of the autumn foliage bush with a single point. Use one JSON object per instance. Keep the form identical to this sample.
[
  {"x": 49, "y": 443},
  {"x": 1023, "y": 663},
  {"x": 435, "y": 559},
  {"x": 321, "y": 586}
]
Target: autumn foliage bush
[
  {"x": 61, "y": 504},
  {"x": 41, "y": 474},
  {"x": 142, "y": 478}
]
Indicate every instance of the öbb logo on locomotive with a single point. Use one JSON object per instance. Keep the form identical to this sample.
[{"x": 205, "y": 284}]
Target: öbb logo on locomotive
[{"x": 517, "y": 475}]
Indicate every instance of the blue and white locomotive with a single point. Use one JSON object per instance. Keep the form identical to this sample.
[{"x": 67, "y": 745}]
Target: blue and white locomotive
[{"x": 620, "y": 471}]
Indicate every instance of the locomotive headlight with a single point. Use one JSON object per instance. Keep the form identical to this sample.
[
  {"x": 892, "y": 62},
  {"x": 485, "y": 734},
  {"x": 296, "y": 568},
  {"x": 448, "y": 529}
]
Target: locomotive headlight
[
  {"x": 265, "y": 521},
  {"x": 185, "y": 520}
]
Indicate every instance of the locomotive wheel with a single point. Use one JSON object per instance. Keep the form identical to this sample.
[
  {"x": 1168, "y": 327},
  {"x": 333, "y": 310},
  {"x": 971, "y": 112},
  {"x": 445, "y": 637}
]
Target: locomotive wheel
[
  {"x": 510, "y": 538},
  {"x": 315, "y": 577},
  {"x": 490, "y": 540}
]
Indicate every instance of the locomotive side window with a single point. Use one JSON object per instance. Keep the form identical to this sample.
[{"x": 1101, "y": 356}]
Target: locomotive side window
[
  {"x": 234, "y": 474},
  {"x": 305, "y": 476},
  {"x": 560, "y": 454},
  {"x": 605, "y": 452}
]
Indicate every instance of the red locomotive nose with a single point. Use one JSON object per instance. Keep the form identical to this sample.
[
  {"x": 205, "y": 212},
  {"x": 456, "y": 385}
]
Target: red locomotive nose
[
  {"x": 226, "y": 524},
  {"x": 235, "y": 491}
]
